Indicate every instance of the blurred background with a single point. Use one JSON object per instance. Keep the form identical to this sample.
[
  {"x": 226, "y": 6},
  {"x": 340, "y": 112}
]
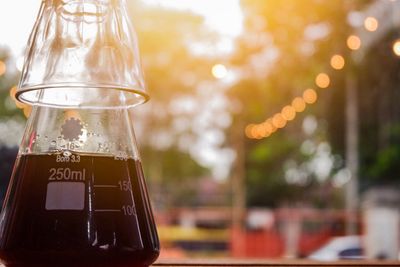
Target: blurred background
[{"x": 273, "y": 129}]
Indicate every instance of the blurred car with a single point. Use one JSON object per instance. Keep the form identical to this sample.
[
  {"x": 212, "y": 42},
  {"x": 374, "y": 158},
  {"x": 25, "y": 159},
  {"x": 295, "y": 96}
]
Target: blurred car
[{"x": 340, "y": 248}]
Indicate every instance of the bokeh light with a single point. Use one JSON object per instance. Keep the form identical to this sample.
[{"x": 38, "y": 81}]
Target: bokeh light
[
  {"x": 254, "y": 133},
  {"x": 248, "y": 130},
  {"x": 337, "y": 62},
  {"x": 265, "y": 130},
  {"x": 396, "y": 47},
  {"x": 279, "y": 121},
  {"x": 310, "y": 96},
  {"x": 268, "y": 127},
  {"x": 322, "y": 80},
  {"x": 271, "y": 125},
  {"x": 354, "y": 42},
  {"x": 13, "y": 91},
  {"x": 289, "y": 113},
  {"x": 219, "y": 71},
  {"x": 371, "y": 24},
  {"x": 298, "y": 104},
  {"x": 3, "y": 68},
  {"x": 27, "y": 110},
  {"x": 260, "y": 131}
]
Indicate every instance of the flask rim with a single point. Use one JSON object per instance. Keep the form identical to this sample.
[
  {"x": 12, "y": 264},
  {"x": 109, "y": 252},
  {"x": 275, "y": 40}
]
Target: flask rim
[{"x": 36, "y": 99}]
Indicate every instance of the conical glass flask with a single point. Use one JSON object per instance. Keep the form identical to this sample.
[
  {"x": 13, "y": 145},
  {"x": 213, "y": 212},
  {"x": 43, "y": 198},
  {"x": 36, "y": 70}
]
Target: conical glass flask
[{"x": 77, "y": 196}]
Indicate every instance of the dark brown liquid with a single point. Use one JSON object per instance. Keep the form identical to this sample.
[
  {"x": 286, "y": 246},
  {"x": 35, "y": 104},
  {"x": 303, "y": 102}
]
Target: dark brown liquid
[{"x": 81, "y": 210}]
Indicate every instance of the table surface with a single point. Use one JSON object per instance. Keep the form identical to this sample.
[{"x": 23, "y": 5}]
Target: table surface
[
  {"x": 265, "y": 263},
  {"x": 260, "y": 263}
]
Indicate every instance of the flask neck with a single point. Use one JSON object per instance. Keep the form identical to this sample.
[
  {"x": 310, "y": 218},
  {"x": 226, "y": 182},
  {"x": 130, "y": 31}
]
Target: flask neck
[{"x": 82, "y": 53}]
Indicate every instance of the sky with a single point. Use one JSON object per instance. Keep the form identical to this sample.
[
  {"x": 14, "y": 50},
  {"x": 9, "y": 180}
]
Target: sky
[
  {"x": 16, "y": 23},
  {"x": 223, "y": 16}
]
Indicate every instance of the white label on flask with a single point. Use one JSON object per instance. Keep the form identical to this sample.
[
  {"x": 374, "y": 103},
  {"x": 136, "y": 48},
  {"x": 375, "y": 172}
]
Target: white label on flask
[{"x": 65, "y": 196}]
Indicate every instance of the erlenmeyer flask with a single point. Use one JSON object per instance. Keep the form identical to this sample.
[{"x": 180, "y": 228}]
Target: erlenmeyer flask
[{"x": 77, "y": 196}]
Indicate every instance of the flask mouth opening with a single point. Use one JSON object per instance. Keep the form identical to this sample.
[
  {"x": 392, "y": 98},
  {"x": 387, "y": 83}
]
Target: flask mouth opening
[
  {"x": 90, "y": 96},
  {"x": 89, "y": 11}
]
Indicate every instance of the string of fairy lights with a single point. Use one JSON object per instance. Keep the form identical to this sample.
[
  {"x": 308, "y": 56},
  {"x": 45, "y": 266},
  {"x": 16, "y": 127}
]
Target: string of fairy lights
[{"x": 310, "y": 95}]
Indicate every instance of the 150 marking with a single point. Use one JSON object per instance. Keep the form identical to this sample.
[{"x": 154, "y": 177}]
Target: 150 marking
[
  {"x": 125, "y": 185},
  {"x": 59, "y": 174}
]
